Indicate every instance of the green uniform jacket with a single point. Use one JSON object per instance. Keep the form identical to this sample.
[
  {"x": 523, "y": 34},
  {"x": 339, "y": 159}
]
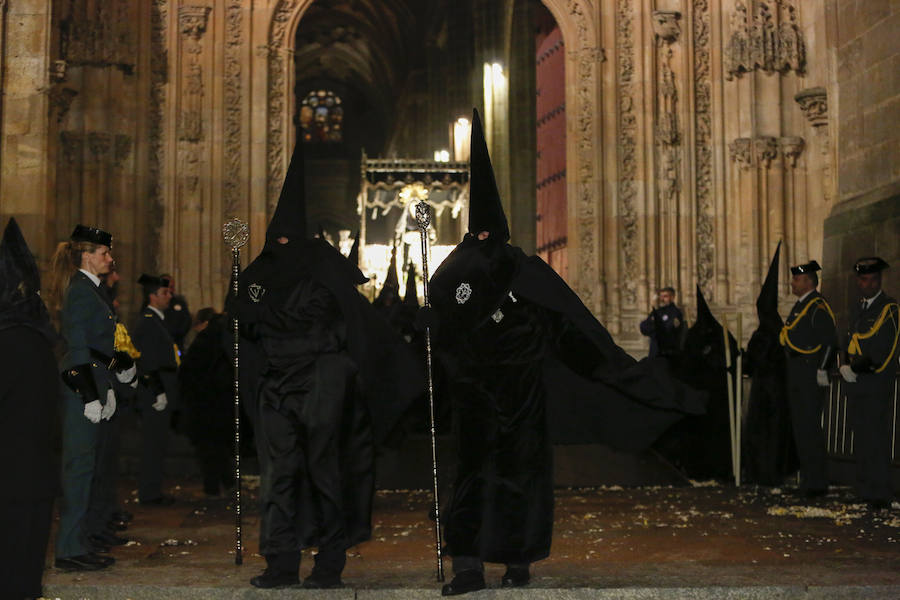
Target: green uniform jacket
[{"x": 87, "y": 323}]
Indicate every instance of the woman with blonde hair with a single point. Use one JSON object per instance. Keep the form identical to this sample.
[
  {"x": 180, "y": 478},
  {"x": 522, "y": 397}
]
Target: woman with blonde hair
[{"x": 78, "y": 302}]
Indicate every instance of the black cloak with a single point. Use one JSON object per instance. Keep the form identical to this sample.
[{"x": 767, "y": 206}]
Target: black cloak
[
  {"x": 700, "y": 445},
  {"x": 768, "y": 453},
  {"x": 526, "y": 363}
]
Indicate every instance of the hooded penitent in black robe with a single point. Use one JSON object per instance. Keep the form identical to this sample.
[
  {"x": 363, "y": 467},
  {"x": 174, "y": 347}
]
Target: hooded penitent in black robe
[
  {"x": 323, "y": 377},
  {"x": 526, "y": 364},
  {"x": 768, "y": 441},
  {"x": 700, "y": 445},
  {"x": 205, "y": 390},
  {"x": 29, "y": 427}
]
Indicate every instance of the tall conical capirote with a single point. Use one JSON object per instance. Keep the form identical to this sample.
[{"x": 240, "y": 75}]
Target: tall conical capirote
[
  {"x": 353, "y": 257},
  {"x": 704, "y": 315},
  {"x": 20, "y": 284},
  {"x": 17, "y": 265},
  {"x": 767, "y": 301},
  {"x": 289, "y": 219},
  {"x": 411, "y": 297},
  {"x": 485, "y": 209},
  {"x": 391, "y": 281}
]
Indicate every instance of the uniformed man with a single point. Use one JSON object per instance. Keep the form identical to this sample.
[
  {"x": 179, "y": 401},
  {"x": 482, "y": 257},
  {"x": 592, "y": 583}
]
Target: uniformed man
[
  {"x": 665, "y": 325},
  {"x": 178, "y": 316},
  {"x": 157, "y": 369},
  {"x": 869, "y": 370},
  {"x": 810, "y": 343}
]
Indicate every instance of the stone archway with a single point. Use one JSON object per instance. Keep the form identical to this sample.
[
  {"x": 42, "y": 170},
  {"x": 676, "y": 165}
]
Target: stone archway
[{"x": 272, "y": 102}]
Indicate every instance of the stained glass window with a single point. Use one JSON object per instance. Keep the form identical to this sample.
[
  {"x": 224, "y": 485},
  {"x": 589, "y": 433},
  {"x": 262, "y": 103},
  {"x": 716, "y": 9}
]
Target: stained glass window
[{"x": 322, "y": 117}]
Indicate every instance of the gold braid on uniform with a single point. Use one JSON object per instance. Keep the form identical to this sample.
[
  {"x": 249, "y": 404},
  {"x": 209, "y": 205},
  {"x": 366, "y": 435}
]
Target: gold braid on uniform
[
  {"x": 784, "y": 338},
  {"x": 854, "y": 348},
  {"x": 123, "y": 342}
]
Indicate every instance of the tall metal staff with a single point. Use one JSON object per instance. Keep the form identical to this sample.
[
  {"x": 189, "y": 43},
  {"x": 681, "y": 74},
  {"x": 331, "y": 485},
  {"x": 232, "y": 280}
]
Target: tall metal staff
[
  {"x": 235, "y": 232},
  {"x": 423, "y": 220}
]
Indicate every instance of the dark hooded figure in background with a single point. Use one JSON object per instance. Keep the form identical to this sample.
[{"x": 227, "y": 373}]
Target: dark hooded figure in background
[
  {"x": 769, "y": 452},
  {"x": 29, "y": 430},
  {"x": 700, "y": 445},
  {"x": 526, "y": 364},
  {"x": 324, "y": 378}
]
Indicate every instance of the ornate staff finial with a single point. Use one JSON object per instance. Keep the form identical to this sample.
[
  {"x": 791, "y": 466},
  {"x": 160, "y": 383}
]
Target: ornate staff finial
[
  {"x": 235, "y": 233},
  {"x": 423, "y": 215}
]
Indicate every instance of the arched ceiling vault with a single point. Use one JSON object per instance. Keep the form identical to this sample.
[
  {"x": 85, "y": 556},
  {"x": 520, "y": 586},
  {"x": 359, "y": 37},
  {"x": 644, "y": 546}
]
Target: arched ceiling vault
[{"x": 366, "y": 45}]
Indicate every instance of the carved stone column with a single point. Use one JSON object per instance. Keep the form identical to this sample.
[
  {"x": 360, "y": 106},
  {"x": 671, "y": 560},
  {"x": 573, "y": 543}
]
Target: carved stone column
[
  {"x": 191, "y": 210},
  {"x": 675, "y": 243},
  {"x": 95, "y": 210}
]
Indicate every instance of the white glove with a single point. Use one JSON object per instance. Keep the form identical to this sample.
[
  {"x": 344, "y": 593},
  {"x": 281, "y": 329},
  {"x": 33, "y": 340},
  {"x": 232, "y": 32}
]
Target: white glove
[
  {"x": 93, "y": 410},
  {"x": 128, "y": 375},
  {"x": 822, "y": 377},
  {"x": 109, "y": 410},
  {"x": 161, "y": 402},
  {"x": 848, "y": 374}
]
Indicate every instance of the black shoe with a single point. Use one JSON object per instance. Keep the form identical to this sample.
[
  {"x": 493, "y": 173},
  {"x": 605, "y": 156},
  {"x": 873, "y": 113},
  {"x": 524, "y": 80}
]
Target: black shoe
[
  {"x": 107, "y": 560},
  {"x": 107, "y": 539},
  {"x": 114, "y": 526},
  {"x": 159, "y": 501},
  {"x": 270, "y": 578},
  {"x": 515, "y": 577},
  {"x": 85, "y": 562},
  {"x": 812, "y": 494},
  {"x": 122, "y": 515},
  {"x": 322, "y": 581},
  {"x": 879, "y": 504},
  {"x": 464, "y": 582}
]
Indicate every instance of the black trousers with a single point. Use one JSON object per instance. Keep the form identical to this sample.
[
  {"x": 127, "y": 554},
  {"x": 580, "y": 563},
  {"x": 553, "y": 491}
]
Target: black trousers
[
  {"x": 318, "y": 482},
  {"x": 806, "y": 400},
  {"x": 869, "y": 407}
]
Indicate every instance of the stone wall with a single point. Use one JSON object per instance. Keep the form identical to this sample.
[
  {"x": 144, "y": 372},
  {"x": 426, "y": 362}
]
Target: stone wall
[
  {"x": 866, "y": 220},
  {"x": 698, "y": 134},
  {"x": 25, "y": 145}
]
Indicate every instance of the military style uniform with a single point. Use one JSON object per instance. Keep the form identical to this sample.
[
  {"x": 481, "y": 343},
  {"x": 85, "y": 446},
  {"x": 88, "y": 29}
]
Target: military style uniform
[
  {"x": 665, "y": 328},
  {"x": 88, "y": 325},
  {"x": 872, "y": 350},
  {"x": 809, "y": 339},
  {"x": 157, "y": 370}
]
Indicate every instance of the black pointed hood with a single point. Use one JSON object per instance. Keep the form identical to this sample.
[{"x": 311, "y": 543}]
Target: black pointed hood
[
  {"x": 411, "y": 297},
  {"x": 20, "y": 284},
  {"x": 704, "y": 314},
  {"x": 485, "y": 209},
  {"x": 391, "y": 280},
  {"x": 353, "y": 257},
  {"x": 289, "y": 219},
  {"x": 767, "y": 301}
]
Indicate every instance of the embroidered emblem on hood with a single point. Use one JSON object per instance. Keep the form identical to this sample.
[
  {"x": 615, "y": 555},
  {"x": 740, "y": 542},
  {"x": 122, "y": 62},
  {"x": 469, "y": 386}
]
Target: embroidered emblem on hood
[
  {"x": 256, "y": 292},
  {"x": 463, "y": 293}
]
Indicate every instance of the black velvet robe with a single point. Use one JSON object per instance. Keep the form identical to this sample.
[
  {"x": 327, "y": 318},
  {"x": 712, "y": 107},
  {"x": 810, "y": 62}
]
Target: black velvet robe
[
  {"x": 324, "y": 377},
  {"x": 530, "y": 365}
]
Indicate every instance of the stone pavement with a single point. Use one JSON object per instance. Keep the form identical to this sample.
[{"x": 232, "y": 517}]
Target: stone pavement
[{"x": 699, "y": 541}]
